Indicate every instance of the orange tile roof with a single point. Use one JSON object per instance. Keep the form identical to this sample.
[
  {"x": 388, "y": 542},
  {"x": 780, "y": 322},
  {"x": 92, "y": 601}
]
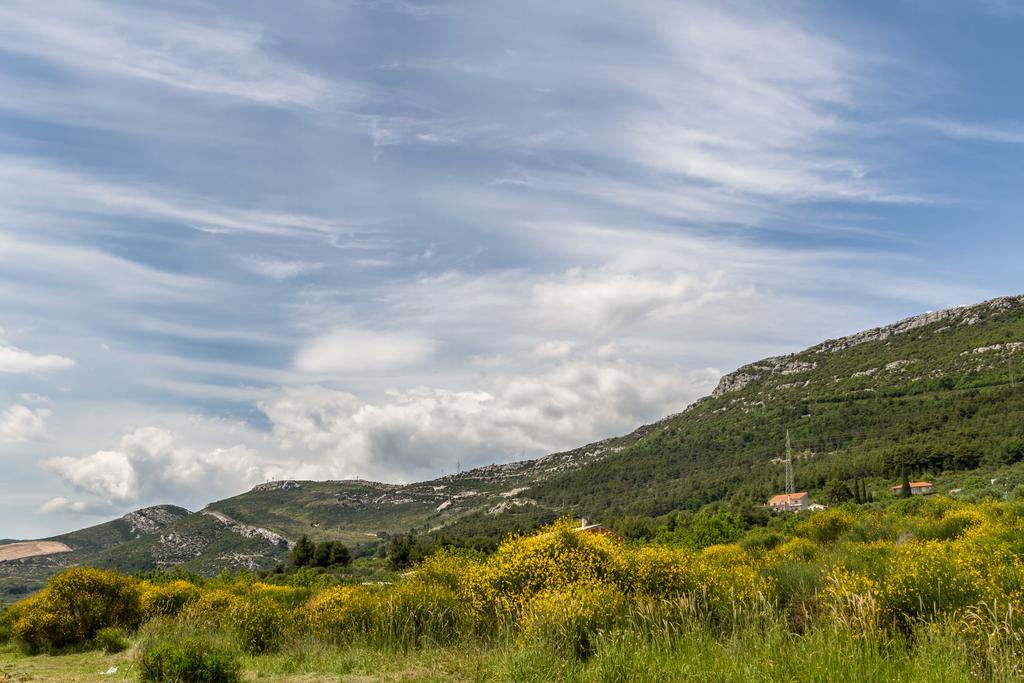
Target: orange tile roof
[{"x": 786, "y": 498}]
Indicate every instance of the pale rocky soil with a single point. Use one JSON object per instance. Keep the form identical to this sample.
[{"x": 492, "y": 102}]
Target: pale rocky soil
[{"x": 19, "y": 551}]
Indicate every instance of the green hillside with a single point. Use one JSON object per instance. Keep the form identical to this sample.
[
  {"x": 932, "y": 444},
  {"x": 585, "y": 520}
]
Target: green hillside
[
  {"x": 938, "y": 396},
  {"x": 935, "y": 395}
]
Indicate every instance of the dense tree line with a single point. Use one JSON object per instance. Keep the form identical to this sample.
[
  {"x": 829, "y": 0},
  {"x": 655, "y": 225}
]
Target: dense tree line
[{"x": 325, "y": 554}]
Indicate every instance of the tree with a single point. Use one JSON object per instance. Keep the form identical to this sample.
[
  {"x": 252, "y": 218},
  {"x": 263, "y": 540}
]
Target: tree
[
  {"x": 406, "y": 550},
  {"x": 340, "y": 555},
  {"x": 905, "y": 490},
  {"x": 322, "y": 554},
  {"x": 836, "y": 491},
  {"x": 303, "y": 552}
]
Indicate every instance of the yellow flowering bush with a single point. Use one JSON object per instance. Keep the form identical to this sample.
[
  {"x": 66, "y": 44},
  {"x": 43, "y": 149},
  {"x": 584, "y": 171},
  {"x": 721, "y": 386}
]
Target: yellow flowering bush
[
  {"x": 850, "y": 599},
  {"x": 828, "y": 525},
  {"x": 796, "y": 549},
  {"x": 167, "y": 599},
  {"x": 213, "y": 608},
  {"x": 74, "y": 606},
  {"x": 259, "y": 622},
  {"x": 568, "y": 618},
  {"x": 414, "y": 611},
  {"x": 656, "y": 571},
  {"x": 557, "y": 556},
  {"x": 928, "y": 578},
  {"x": 341, "y": 612}
]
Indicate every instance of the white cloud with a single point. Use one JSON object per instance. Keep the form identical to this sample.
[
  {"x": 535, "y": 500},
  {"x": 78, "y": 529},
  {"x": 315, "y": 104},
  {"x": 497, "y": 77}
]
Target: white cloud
[
  {"x": 63, "y": 504},
  {"x": 15, "y": 360},
  {"x": 19, "y": 423},
  {"x": 210, "y": 458},
  {"x": 554, "y": 348},
  {"x": 108, "y": 475},
  {"x": 419, "y": 432},
  {"x": 602, "y": 302},
  {"x": 350, "y": 349}
]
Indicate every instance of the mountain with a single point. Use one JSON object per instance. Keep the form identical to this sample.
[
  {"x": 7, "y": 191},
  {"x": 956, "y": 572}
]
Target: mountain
[
  {"x": 938, "y": 395},
  {"x": 156, "y": 537}
]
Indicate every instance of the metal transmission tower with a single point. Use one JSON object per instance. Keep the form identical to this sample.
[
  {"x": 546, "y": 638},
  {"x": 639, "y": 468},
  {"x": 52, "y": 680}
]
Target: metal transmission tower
[{"x": 790, "y": 488}]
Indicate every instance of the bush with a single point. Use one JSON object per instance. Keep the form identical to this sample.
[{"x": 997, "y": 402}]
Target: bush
[
  {"x": 569, "y": 619},
  {"x": 259, "y": 622},
  {"x": 415, "y": 612},
  {"x": 74, "y": 606},
  {"x": 189, "y": 660},
  {"x": 339, "y": 613},
  {"x": 213, "y": 608},
  {"x": 827, "y": 526},
  {"x": 168, "y": 599},
  {"x": 112, "y": 640},
  {"x": 663, "y": 572},
  {"x": 557, "y": 556},
  {"x": 929, "y": 578}
]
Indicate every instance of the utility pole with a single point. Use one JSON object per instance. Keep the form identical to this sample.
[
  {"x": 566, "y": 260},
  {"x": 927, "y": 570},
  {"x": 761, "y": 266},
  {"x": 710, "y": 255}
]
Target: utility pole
[{"x": 790, "y": 489}]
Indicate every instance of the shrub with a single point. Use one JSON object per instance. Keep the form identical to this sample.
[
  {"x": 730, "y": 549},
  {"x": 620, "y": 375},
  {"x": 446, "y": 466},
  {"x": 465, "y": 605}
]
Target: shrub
[
  {"x": 927, "y": 578},
  {"x": 339, "y": 613},
  {"x": 570, "y": 618},
  {"x": 189, "y": 660},
  {"x": 259, "y": 622},
  {"x": 827, "y": 526},
  {"x": 663, "y": 572},
  {"x": 414, "y": 612},
  {"x": 74, "y": 606},
  {"x": 796, "y": 549},
  {"x": 213, "y": 608},
  {"x": 850, "y": 600},
  {"x": 167, "y": 599},
  {"x": 762, "y": 539},
  {"x": 557, "y": 556},
  {"x": 112, "y": 640}
]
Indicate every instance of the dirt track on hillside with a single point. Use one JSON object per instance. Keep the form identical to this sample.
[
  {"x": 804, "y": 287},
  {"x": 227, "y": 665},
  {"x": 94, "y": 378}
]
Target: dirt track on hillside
[{"x": 19, "y": 551}]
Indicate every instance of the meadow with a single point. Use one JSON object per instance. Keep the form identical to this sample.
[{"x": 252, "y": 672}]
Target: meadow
[{"x": 919, "y": 588}]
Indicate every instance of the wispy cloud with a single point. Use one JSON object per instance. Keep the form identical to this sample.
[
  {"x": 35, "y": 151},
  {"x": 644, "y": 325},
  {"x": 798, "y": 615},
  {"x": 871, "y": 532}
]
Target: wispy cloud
[
  {"x": 209, "y": 54},
  {"x": 1009, "y": 133}
]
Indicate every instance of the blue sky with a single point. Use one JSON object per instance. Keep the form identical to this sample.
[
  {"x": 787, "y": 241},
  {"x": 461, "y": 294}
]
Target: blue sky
[{"x": 256, "y": 240}]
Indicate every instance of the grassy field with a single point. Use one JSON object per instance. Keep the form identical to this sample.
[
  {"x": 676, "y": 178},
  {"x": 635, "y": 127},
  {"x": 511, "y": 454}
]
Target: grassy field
[
  {"x": 770, "y": 654},
  {"x": 916, "y": 589}
]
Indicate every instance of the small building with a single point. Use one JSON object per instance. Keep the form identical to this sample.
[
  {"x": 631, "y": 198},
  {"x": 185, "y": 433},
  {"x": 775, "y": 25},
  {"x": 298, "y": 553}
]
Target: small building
[
  {"x": 917, "y": 488},
  {"x": 597, "y": 529},
  {"x": 789, "y": 502}
]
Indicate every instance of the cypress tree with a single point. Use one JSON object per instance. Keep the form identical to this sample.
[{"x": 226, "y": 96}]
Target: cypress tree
[{"x": 302, "y": 553}]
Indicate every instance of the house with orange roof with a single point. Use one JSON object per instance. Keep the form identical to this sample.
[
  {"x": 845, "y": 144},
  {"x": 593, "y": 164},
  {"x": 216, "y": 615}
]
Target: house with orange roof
[
  {"x": 917, "y": 488},
  {"x": 789, "y": 502}
]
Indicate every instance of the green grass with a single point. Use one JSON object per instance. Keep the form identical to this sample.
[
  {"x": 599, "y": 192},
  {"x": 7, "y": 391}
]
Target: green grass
[{"x": 763, "y": 653}]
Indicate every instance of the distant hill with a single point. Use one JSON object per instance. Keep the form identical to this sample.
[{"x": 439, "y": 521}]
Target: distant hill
[{"x": 939, "y": 395}]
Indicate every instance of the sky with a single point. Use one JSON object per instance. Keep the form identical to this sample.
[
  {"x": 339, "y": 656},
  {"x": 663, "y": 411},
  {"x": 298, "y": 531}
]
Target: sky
[{"x": 388, "y": 239}]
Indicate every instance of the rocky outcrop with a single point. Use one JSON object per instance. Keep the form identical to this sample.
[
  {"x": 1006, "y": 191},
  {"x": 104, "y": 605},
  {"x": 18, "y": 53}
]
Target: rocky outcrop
[{"x": 151, "y": 520}]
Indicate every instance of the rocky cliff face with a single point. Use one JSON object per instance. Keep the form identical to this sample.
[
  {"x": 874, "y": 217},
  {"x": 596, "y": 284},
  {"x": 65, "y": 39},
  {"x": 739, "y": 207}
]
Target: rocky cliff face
[{"x": 798, "y": 363}]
